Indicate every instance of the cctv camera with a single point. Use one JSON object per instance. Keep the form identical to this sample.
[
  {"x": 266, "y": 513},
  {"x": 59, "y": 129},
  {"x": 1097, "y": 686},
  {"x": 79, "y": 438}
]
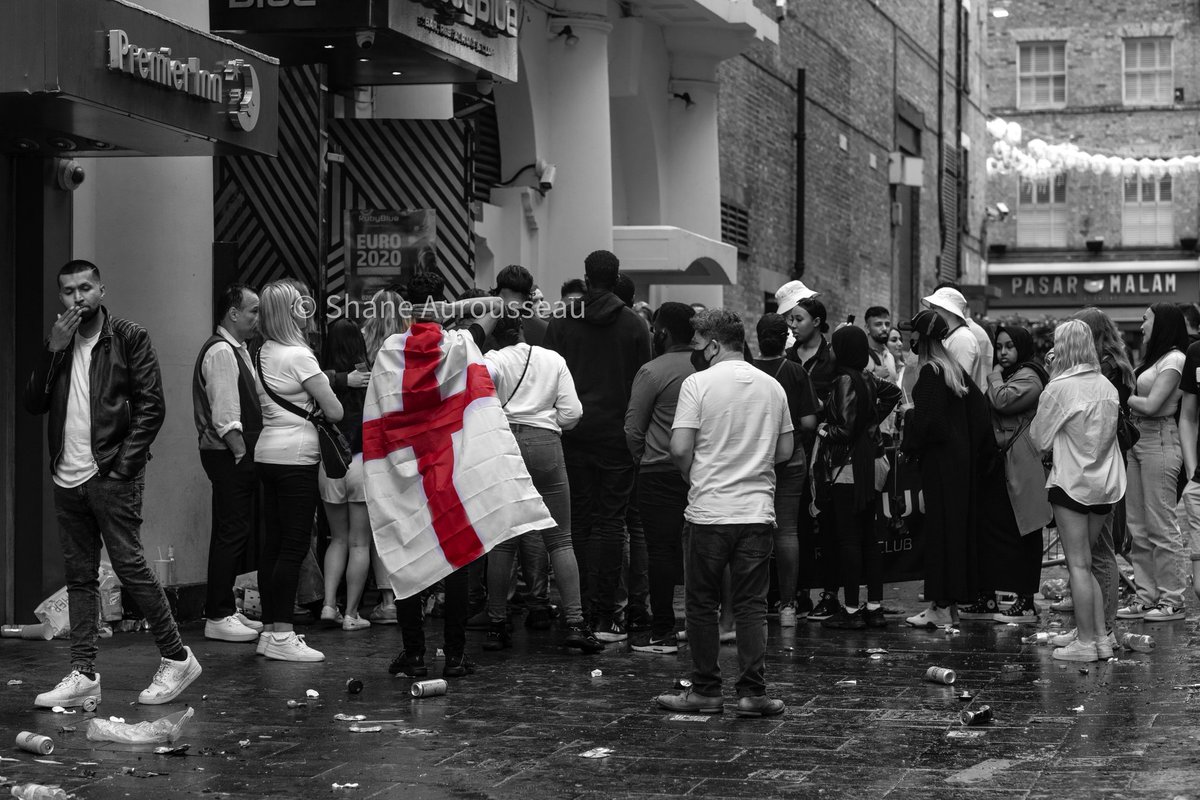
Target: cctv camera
[
  {"x": 1003, "y": 209},
  {"x": 546, "y": 178},
  {"x": 69, "y": 175},
  {"x": 365, "y": 39}
]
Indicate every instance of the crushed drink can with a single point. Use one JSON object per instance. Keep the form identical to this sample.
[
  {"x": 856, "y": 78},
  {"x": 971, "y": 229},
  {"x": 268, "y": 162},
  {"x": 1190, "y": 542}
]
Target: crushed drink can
[
  {"x": 433, "y": 688},
  {"x": 978, "y": 716},
  {"x": 35, "y": 743},
  {"x": 941, "y": 675},
  {"x": 354, "y": 686}
]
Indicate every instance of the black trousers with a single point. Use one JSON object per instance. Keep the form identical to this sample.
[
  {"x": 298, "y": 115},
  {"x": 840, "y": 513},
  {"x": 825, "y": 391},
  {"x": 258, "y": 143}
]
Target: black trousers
[
  {"x": 859, "y": 551},
  {"x": 233, "y": 490},
  {"x": 411, "y": 617},
  {"x": 662, "y": 497},
  {"x": 289, "y": 505}
]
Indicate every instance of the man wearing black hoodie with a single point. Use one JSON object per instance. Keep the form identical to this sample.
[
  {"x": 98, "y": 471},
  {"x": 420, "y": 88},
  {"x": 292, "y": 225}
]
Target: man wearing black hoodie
[{"x": 604, "y": 349}]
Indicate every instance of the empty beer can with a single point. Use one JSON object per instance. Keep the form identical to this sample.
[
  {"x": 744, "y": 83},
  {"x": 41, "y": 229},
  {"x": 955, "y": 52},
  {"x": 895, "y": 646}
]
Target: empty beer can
[
  {"x": 940, "y": 675},
  {"x": 428, "y": 688},
  {"x": 35, "y": 743}
]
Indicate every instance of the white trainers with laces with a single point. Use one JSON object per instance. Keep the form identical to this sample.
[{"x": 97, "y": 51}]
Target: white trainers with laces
[
  {"x": 290, "y": 646},
  {"x": 932, "y": 617},
  {"x": 260, "y": 649},
  {"x": 1064, "y": 639},
  {"x": 252, "y": 624},
  {"x": 1135, "y": 610},
  {"x": 1076, "y": 651},
  {"x": 170, "y": 680},
  {"x": 1164, "y": 613},
  {"x": 229, "y": 629},
  {"x": 74, "y": 690}
]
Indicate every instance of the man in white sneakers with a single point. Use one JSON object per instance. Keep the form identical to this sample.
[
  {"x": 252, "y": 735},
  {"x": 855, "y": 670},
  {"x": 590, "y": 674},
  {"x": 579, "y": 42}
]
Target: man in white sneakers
[{"x": 99, "y": 381}]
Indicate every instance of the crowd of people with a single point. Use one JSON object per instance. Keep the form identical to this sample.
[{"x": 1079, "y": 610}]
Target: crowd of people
[{"x": 667, "y": 455}]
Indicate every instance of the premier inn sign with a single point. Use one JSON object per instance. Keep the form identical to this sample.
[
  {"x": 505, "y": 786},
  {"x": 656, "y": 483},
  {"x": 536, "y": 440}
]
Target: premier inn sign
[{"x": 235, "y": 85}]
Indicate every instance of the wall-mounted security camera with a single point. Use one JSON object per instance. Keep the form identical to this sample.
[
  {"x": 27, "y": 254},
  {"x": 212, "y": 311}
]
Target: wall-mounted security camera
[
  {"x": 68, "y": 174},
  {"x": 365, "y": 39},
  {"x": 546, "y": 177},
  {"x": 1003, "y": 209},
  {"x": 781, "y": 8}
]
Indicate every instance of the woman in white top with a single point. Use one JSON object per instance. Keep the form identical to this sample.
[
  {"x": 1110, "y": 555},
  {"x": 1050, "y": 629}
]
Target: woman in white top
[
  {"x": 538, "y": 395},
  {"x": 287, "y": 459},
  {"x": 1159, "y": 562},
  {"x": 1077, "y": 421}
]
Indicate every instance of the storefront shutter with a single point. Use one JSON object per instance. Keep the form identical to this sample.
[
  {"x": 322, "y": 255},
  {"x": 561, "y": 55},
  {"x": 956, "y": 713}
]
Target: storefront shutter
[{"x": 948, "y": 267}]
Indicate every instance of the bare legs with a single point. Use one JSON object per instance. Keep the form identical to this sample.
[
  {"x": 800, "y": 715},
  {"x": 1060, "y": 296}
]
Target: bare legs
[{"x": 1078, "y": 533}]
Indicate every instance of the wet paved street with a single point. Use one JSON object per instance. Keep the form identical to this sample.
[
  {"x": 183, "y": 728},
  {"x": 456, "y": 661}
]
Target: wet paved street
[{"x": 856, "y": 726}]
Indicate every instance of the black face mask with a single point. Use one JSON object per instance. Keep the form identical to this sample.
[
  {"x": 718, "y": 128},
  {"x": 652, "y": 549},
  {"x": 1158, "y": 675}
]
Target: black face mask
[{"x": 699, "y": 362}]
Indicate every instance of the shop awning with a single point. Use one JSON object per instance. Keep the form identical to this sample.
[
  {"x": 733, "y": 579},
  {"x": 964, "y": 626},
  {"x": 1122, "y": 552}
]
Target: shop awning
[
  {"x": 106, "y": 77},
  {"x": 661, "y": 254}
]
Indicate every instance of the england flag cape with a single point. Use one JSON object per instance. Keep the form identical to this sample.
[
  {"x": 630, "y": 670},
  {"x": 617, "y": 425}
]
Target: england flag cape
[{"x": 444, "y": 477}]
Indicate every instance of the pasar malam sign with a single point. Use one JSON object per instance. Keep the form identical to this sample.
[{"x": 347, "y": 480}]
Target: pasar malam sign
[{"x": 1114, "y": 288}]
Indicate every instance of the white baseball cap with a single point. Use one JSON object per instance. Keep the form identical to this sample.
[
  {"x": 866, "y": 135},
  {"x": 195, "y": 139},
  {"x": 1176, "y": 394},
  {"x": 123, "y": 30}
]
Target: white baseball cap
[
  {"x": 950, "y": 300},
  {"x": 790, "y": 294}
]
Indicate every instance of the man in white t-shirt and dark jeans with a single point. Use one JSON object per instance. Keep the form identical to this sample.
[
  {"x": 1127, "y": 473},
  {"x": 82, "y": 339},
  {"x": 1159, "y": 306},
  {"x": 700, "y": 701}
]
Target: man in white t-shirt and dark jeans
[
  {"x": 99, "y": 381},
  {"x": 731, "y": 428}
]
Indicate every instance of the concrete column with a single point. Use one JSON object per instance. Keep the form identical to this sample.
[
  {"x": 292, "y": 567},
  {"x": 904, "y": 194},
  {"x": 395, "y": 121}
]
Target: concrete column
[{"x": 579, "y": 209}]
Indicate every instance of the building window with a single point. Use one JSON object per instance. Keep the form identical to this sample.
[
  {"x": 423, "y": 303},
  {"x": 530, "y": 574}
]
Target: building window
[
  {"x": 735, "y": 226},
  {"x": 1148, "y": 216},
  {"x": 1149, "y": 77},
  {"x": 1042, "y": 213},
  {"x": 1042, "y": 75}
]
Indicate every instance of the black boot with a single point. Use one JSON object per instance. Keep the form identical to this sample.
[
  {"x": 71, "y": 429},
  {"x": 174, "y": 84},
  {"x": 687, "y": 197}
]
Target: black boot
[
  {"x": 410, "y": 664},
  {"x": 457, "y": 666},
  {"x": 498, "y": 637},
  {"x": 580, "y": 636}
]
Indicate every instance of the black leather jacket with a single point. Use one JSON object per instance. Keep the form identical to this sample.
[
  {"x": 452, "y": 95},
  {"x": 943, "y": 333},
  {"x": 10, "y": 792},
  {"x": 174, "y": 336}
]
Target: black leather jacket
[{"x": 126, "y": 397}]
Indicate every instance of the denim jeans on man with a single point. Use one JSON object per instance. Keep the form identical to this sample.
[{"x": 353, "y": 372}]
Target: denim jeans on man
[
  {"x": 746, "y": 551},
  {"x": 108, "y": 511},
  {"x": 600, "y": 485}
]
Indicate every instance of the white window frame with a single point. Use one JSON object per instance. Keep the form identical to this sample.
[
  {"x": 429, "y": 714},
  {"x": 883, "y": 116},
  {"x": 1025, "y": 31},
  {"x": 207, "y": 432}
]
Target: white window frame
[
  {"x": 1166, "y": 96},
  {"x": 1029, "y": 102},
  {"x": 1042, "y": 224},
  {"x": 1148, "y": 224}
]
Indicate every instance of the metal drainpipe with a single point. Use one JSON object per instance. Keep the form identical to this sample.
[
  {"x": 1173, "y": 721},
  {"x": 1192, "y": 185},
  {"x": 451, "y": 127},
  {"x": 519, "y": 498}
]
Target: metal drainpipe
[
  {"x": 958, "y": 116},
  {"x": 801, "y": 140},
  {"x": 941, "y": 173}
]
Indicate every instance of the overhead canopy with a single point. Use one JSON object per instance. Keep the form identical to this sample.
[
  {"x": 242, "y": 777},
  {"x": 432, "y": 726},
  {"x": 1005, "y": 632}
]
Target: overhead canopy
[
  {"x": 661, "y": 254},
  {"x": 106, "y": 77}
]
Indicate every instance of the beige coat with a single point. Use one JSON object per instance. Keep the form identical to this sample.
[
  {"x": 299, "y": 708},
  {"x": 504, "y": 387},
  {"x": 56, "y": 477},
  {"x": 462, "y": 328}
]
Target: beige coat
[{"x": 1014, "y": 404}]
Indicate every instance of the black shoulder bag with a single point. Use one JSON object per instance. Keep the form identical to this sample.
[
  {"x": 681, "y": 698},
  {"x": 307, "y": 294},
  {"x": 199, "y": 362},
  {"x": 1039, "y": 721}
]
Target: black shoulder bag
[{"x": 335, "y": 450}]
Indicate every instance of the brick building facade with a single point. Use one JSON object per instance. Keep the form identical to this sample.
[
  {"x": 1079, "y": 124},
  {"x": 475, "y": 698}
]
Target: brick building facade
[
  {"x": 1123, "y": 85},
  {"x": 871, "y": 89}
]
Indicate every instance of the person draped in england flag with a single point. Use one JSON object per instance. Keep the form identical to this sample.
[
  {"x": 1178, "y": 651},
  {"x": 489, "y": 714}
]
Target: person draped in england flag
[{"x": 445, "y": 478}]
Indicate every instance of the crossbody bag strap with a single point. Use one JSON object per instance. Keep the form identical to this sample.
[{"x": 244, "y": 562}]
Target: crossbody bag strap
[
  {"x": 286, "y": 405},
  {"x": 520, "y": 380},
  {"x": 1020, "y": 431}
]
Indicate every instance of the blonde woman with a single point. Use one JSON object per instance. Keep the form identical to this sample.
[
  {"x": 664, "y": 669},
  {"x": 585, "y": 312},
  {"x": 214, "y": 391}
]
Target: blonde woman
[
  {"x": 950, "y": 433},
  {"x": 1077, "y": 421},
  {"x": 287, "y": 458},
  {"x": 387, "y": 316}
]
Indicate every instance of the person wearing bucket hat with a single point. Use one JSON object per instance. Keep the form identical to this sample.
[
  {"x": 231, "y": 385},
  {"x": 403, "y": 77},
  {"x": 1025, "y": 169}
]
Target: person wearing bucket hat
[
  {"x": 790, "y": 294},
  {"x": 968, "y": 342},
  {"x": 949, "y": 433}
]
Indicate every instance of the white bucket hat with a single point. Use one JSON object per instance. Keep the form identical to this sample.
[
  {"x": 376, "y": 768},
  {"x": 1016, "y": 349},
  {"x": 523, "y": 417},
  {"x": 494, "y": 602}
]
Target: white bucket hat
[
  {"x": 790, "y": 294},
  {"x": 950, "y": 300}
]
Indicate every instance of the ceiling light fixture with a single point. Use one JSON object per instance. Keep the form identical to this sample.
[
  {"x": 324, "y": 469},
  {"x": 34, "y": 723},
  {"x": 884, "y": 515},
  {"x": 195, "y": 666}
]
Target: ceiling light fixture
[
  {"x": 328, "y": 47},
  {"x": 999, "y": 13}
]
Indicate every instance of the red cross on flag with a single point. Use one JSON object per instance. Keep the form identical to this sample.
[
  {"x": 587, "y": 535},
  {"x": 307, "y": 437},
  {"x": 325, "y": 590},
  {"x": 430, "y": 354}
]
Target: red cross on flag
[{"x": 444, "y": 476}]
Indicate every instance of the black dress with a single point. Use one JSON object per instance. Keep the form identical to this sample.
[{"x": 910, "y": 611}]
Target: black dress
[{"x": 951, "y": 436}]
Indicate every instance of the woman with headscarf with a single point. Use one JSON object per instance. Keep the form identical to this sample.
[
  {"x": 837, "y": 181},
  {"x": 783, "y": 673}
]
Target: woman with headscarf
[
  {"x": 1015, "y": 508},
  {"x": 949, "y": 433},
  {"x": 850, "y": 444}
]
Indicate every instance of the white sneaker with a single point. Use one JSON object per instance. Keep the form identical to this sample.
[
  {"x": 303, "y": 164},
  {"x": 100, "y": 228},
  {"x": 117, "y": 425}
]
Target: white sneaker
[
  {"x": 228, "y": 629},
  {"x": 1076, "y": 651},
  {"x": 290, "y": 646},
  {"x": 331, "y": 614},
  {"x": 261, "y": 648},
  {"x": 787, "y": 616},
  {"x": 73, "y": 690},
  {"x": 1135, "y": 610},
  {"x": 932, "y": 617},
  {"x": 252, "y": 624},
  {"x": 1106, "y": 646},
  {"x": 1065, "y": 605},
  {"x": 1064, "y": 639},
  {"x": 170, "y": 680},
  {"x": 354, "y": 623},
  {"x": 1164, "y": 613}
]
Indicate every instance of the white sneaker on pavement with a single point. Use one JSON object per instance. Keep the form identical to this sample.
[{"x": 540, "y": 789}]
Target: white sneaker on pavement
[
  {"x": 932, "y": 617},
  {"x": 1164, "y": 613},
  {"x": 787, "y": 616},
  {"x": 1076, "y": 651},
  {"x": 229, "y": 629},
  {"x": 74, "y": 690},
  {"x": 252, "y": 624},
  {"x": 1064, "y": 639},
  {"x": 170, "y": 680},
  {"x": 260, "y": 649},
  {"x": 290, "y": 646}
]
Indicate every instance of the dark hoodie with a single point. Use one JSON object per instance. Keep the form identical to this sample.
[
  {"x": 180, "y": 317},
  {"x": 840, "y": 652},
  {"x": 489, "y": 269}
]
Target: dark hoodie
[{"x": 604, "y": 350}]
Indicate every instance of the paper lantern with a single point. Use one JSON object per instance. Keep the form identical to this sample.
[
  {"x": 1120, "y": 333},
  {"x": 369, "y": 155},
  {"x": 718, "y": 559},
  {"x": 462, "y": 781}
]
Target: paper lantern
[{"x": 1012, "y": 133}]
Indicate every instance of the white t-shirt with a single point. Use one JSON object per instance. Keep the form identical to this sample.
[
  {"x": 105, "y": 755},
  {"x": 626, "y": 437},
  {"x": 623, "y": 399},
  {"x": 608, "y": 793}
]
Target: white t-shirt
[
  {"x": 77, "y": 464},
  {"x": 739, "y": 413},
  {"x": 545, "y": 397},
  {"x": 963, "y": 347},
  {"x": 1169, "y": 362},
  {"x": 287, "y": 438}
]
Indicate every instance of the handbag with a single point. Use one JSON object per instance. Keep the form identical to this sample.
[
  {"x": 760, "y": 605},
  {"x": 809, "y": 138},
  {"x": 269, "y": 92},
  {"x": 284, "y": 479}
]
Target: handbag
[
  {"x": 1127, "y": 431},
  {"x": 335, "y": 450},
  {"x": 1001, "y": 453}
]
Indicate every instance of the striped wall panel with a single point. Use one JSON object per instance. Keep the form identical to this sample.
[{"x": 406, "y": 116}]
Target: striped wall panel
[
  {"x": 405, "y": 164},
  {"x": 271, "y": 206}
]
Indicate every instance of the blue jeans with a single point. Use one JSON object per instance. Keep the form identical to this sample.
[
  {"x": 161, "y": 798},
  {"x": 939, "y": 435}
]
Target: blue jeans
[
  {"x": 746, "y": 551},
  {"x": 1158, "y": 553},
  {"x": 108, "y": 511},
  {"x": 789, "y": 490}
]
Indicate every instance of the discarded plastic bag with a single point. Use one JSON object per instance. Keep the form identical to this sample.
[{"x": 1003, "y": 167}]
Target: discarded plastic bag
[
  {"x": 167, "y": 729},
  {"x": 53, "y": 612}
]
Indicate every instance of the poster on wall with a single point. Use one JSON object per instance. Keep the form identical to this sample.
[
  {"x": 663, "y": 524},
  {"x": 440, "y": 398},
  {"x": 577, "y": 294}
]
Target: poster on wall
[{"x": 387, "y": 247}]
